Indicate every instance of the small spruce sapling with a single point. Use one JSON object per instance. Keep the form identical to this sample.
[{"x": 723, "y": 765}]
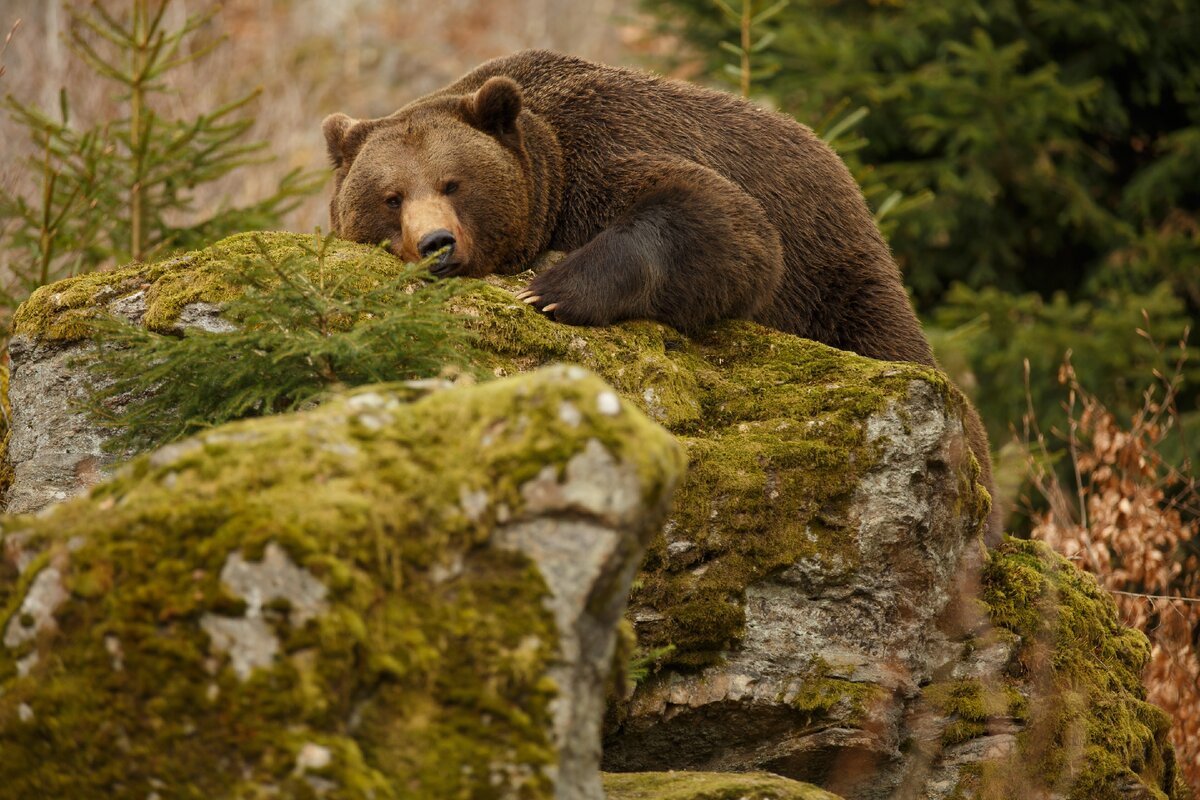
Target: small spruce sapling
[
  {"x": 753, "y": 40},
  {"x": 300, "y": 331},
  {"x": 758, "y": 60},
  {"x": 124, "y": 188}
]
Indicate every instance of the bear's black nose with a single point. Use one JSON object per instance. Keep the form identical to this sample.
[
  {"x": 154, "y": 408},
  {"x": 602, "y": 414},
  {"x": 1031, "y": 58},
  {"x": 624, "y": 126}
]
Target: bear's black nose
[{"x": 432, "y": 242}]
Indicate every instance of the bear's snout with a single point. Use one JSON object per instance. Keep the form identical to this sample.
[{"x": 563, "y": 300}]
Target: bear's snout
[
  {"x": 431, "y": 224},
  {"x": 437, "y": 240}
]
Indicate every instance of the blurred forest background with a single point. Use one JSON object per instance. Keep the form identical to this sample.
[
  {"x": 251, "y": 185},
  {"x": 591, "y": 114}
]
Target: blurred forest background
[{"x": 1035, "y": 165}]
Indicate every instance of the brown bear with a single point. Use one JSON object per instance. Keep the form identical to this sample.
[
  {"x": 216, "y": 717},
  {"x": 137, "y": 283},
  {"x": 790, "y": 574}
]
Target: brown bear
[{"x": 676, "y": 203}]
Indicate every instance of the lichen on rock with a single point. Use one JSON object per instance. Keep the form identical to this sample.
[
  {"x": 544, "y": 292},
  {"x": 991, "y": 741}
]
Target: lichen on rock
[{"x": 301, "y": 604}]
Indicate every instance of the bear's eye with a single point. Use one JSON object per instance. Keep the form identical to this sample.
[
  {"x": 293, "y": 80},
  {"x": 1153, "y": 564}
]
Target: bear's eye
[
  {"x": 394, "y": 201},
  {"x": 450, "y": 188}
]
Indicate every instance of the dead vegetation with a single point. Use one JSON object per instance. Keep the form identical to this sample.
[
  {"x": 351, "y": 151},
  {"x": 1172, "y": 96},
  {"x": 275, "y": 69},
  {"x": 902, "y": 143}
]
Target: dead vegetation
[{"x": 1129, "y": 516}]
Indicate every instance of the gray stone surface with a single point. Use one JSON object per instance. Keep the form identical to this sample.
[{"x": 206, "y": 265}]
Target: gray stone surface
[
  {"x": 873, "y": 629},
  {"x": 56, "y": 450}
]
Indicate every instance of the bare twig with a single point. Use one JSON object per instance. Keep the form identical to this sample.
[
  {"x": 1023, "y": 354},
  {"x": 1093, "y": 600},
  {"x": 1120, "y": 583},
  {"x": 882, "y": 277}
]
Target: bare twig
[
  {"x": 1165, "y": 597},
  {"x": 12, "y": 31}
]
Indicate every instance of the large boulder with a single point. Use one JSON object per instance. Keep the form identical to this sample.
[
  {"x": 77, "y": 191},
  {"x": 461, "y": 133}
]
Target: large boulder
[
  {"x": 812, "y": 606},
  {"x": 373, "y": 599}
]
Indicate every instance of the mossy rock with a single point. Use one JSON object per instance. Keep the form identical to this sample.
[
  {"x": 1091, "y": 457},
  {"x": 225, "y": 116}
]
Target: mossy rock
[
  {"x": 59, "y": 312},
  {"x": 316, "y": 604},
  {"x": 1090, "y": 732},
  {"x": 774, "y": 425},
  {"x": 708, "y": 786},
  {"x": 776, "y": 433},
  {"x": 1067, "y": 709},
  {"x": 778, "y": 436}
]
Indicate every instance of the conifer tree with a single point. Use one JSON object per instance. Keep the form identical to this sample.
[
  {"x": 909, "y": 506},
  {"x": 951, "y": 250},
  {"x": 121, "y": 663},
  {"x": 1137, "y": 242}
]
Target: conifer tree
[
  {"x": 1052, "y": 133},
  {"x": 124, "y": 188}
]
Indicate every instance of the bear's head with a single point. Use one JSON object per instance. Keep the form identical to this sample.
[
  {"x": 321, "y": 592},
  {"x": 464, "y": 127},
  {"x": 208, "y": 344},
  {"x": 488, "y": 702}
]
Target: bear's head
[{"x": 449, "y": 173}]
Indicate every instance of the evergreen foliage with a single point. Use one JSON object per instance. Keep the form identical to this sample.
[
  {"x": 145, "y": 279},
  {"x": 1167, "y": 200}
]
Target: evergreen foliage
[
  {"x": 753, "y": 40},
  {"x": 1050, "y": 152},
  {"x": 123, "y": 189},
  {"x": 991, "y": 335},
  {"x": 299, "y": 332}
]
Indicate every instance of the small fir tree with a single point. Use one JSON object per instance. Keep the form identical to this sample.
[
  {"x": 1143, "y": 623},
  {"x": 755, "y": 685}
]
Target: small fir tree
[
  {"x": 117, "y": 190},
  {"x": 299, "y": 331}
]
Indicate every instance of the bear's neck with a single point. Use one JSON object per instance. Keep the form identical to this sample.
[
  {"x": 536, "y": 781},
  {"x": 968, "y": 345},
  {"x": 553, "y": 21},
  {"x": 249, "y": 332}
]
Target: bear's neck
[{"x": 544, "y": 162}]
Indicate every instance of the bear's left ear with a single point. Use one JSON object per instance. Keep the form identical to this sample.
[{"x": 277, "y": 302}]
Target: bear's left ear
[
  {"x": 495, "y": 107},
  {"x": 335, "y": 127}
]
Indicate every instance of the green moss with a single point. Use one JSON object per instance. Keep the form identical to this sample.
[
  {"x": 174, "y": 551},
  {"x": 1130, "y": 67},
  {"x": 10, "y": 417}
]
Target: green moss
[
  {"x": 432, "y": 648},
  {"x": 822, "y": 695},
  {"x": 774, "y": 429},
  {"x": 971, "y": 706},
  {"x": 1089, "y": 728},
  {"x": 708, "y": 786},
  {"x": 773, "y": 425},
  {"x": 60, "y": 311}
]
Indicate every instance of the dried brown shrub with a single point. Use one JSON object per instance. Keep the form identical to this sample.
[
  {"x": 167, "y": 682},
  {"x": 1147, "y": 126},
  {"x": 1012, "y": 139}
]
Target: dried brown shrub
[{"x": 1131, "y": 518}]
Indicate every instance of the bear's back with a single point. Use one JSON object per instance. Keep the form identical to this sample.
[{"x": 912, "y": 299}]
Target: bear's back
[
  {"x": 599, "y": 112},
  {"x": 838, "y": 268},
  {"x": 841, "y": 285}
]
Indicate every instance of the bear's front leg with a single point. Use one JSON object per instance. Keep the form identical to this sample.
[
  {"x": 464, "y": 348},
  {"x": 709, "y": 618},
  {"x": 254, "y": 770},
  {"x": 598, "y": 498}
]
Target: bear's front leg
[{"x": 689, "y": 249}]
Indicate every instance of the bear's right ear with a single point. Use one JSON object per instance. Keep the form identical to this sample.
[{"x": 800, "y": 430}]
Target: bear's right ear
[
  {"x": 495, "y": 107},
  {"x": 335, "y": 128}
]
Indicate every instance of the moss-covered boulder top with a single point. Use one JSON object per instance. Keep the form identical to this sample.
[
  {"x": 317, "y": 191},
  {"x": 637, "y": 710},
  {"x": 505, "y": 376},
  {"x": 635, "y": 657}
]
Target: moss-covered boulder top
[{"x": 374, "y": 599}]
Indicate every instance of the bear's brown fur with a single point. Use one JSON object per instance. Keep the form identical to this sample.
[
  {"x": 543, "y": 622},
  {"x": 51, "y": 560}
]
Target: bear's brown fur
[{"x": 675, "y": 202}]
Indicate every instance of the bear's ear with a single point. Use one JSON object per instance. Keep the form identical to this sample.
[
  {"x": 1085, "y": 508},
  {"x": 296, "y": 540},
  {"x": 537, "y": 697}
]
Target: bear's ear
[
  {"x": 335, "y": 127},
  {"x": 495, "y": 107}
]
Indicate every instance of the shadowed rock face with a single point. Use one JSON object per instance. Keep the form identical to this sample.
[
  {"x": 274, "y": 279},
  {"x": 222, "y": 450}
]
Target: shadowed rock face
[
  {"x": 306, "y": 605},
  {"x": 818, "y": 603}
]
